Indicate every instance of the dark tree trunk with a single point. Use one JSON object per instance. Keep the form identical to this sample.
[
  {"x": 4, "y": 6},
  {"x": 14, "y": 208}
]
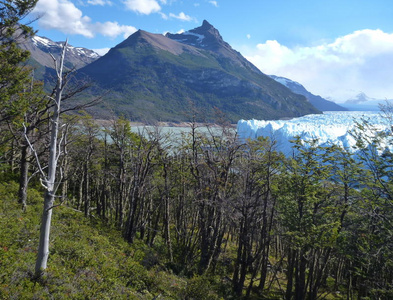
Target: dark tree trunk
[
  {"x": 290, "y": 268},
  {"x": 300, "y": 284},
  {"x": 86, "y": 194},
  {"x": 24, "y": 175}
]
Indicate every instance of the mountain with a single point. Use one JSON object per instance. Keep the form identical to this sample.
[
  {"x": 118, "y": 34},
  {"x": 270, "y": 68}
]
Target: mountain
[
  {"x": 41, "y": 47},
  {"x": 319, "y": 102},
  {"x": 152, "y": 77},
  {"x": 361, "y": 102},
  {"x": 208, "y": 38}
]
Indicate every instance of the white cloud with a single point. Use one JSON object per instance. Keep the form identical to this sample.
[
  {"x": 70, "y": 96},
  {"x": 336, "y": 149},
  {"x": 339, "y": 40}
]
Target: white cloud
[
  {"x": 181, "y": 16},
  {"x": 248, "y": 36},
  {"x": 63, "y": 15},
  {"x": 99, "y": 2},
  {"x": 360, "y": 61},
  {"x": 145, "y": 7},
  {"x": 113, "y": 29},
  {"x": 164, "y": 16},
  {"x": 214, "y": 3}
]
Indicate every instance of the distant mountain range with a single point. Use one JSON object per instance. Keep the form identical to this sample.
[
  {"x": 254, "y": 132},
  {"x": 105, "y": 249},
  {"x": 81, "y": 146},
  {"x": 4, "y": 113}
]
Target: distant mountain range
[
  {"x": 361, "y": 102},
  {"x": 152, "y": 77},
  {"x": 319, "y": 102},
  {"x": 40, "y": 49}
]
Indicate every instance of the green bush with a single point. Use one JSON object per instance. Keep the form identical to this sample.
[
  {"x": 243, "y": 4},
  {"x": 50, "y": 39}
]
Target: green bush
[{"x": 199, "y": 288}]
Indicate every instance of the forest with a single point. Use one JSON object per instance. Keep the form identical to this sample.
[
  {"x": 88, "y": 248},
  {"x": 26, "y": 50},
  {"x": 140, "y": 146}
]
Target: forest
[{"x": 222, "y": 218}]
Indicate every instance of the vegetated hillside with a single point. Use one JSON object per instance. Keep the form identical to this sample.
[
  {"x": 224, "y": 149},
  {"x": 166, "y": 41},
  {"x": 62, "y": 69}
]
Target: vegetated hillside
[
  {"x": 154, "y": 77},
  {"x": 88, "y": 258},
  {"x": 319, "y": 102},
  {"x": 205, "y": 218}
]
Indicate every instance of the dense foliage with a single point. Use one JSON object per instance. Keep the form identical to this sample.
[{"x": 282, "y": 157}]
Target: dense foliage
[
  {"x": 12, "y": 74},
  {"x": 206, "y": 211},
  {"x": 89, "y": 259}
]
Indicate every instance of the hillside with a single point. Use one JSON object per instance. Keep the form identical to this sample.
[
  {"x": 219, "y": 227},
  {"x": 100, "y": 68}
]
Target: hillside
[
  {"x": 205, "y": 218},
  {"x": 88, "y": 259},
  {"x": 151, "y": 77}
]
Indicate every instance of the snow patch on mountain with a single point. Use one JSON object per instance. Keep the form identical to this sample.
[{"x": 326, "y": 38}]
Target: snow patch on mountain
[
  {"x": 328, "y": 128},
  {"x": 41, "y": 41},
  {"x": 285, "y": 81},
  {"x": 199, "y": 37},
  {"x": 46, "y": 44},
  {"x": 84, "y": 52},
  {"x": 189, "y": 37}
]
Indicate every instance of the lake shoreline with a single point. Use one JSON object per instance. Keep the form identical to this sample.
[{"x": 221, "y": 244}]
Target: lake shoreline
[{"x": 105, "y": 123}]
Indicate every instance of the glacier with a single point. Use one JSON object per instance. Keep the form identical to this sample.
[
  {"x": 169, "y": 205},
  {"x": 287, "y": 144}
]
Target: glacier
[{"x": 328, "y": 128}]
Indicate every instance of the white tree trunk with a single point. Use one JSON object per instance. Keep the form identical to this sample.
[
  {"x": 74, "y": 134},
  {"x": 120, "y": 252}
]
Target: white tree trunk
[
  {"x": 43, "y": 248},
  {"x": 50, "y": 179},
  {"x": 49, "y": 198}
]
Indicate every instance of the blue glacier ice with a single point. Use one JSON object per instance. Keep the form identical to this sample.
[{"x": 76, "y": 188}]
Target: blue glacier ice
[{"x": 329, "y": 128}]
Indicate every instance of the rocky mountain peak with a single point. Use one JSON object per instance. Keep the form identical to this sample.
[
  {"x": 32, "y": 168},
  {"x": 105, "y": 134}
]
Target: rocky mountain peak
[
  {"x": 143, "y": 38},
  {"x": 360, "y": 98},
  {"x": 205, "y": 37},
  {"x": 208, "y": 30},
  {"x": 206, "y": 25}
]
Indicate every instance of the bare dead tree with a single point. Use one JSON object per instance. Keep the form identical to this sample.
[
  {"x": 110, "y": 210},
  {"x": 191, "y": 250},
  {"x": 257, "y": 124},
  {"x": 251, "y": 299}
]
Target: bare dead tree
[{"x": 48, "y": 179}]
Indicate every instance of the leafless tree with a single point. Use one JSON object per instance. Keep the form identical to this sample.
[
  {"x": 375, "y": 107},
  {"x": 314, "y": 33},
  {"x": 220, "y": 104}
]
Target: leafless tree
[{"x": 48, "y": 176}]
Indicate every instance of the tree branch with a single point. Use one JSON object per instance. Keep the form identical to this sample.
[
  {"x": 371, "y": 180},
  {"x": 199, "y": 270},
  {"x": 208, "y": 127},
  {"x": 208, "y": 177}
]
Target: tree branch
[{"x": 35, "y": 153}]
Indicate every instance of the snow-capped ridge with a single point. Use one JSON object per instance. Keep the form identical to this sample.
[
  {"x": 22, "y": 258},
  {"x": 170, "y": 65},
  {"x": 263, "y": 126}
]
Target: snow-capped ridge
[
  {"x": 48, "y": 45},
  {"x": 43, "y": 41},
  {"x": 361, "y": 97},
  {"x": 40, "y": 49},
  {"x": 362, "y": 102}
]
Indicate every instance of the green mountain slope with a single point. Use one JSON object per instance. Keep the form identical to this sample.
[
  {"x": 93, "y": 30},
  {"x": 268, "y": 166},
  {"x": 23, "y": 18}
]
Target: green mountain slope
[{"x": 151, "y": 77}]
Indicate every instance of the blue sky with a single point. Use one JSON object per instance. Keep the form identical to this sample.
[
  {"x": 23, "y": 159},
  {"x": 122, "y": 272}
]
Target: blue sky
[{"x": 335, "y": 48}]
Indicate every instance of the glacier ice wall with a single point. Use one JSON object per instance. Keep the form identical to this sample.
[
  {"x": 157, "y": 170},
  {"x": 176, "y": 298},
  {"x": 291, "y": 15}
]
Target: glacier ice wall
[{"x": 329, "y": 128}]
